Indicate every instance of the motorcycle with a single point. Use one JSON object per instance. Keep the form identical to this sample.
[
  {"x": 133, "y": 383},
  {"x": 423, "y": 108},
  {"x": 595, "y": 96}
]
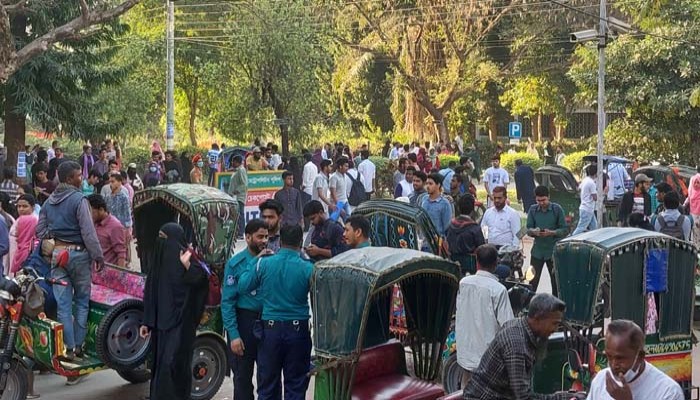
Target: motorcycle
[{"x": 14, "y": 300}]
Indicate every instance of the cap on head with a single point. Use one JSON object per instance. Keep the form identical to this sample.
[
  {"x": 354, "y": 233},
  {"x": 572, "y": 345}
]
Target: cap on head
[{"x": 641, "y": 178}]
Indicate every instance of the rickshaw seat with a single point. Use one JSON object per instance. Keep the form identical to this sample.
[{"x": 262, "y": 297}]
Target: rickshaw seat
[
  {"x": 381, "y": 374},
  {"x": 111, "y": 285}
]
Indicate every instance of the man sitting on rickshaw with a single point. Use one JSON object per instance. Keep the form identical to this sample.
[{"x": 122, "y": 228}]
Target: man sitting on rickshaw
[
  {"x": 505, "y": 370},
  {"x": 628, "y": 375}
]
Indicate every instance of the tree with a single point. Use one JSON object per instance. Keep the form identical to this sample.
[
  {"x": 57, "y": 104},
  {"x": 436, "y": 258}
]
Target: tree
[
  {"x": 48, "y": 81},
  {"x": 16, "y": 51},
  {"x": 432, "y": 46},
  {"x": 275, "y": 55},
  {"x": 651, "y": 77}
]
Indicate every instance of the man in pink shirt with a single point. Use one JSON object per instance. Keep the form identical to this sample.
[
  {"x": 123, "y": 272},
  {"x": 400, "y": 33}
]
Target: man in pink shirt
[{"x": 110, "y": 232}]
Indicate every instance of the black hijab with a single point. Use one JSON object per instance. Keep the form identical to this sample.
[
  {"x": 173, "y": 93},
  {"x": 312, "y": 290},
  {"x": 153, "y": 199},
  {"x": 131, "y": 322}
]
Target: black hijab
[{"x": 165, "y": 291}]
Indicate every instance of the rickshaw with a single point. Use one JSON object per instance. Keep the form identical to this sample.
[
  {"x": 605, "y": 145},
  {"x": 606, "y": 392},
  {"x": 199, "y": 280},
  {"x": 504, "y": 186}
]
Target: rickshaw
[
  {"x": 209, "y": 217},
  {"x": 621, "y": 273},
  {"x": 401, "y": 226},
  {"x": 563, "y": 190},
  {"x": 355, "y": 355}
]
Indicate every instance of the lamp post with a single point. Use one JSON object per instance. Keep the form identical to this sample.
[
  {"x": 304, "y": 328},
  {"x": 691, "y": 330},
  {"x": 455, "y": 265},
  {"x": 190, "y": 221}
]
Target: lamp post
[{"x": 170, "y": 84}]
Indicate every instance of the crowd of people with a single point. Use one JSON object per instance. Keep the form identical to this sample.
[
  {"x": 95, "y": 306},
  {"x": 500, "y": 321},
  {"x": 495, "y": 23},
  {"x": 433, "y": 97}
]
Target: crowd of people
[{"x": 265, "y": 287}]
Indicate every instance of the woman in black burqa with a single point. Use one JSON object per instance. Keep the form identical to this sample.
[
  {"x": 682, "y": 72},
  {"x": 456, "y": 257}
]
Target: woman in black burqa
[{"x": 176, "y": 291}]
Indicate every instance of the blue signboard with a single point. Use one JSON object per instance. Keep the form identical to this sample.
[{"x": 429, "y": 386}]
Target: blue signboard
[{"x": 515, "y": 130}]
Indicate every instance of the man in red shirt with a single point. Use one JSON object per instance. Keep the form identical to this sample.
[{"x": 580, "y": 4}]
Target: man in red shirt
[{"x": 110, "y": 232}]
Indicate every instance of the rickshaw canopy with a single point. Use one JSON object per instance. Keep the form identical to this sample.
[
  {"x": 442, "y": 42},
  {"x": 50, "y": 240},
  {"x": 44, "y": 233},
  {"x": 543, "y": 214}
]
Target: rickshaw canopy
[
  {"x": 398, "y": 225},
  {"x": 635, "y": 263},
  {"x": 210, "y": 218},
  {"x": 556, "y": 177},
  {"x": 351, "y": 294},
  {"x": 607, "y": 159}
]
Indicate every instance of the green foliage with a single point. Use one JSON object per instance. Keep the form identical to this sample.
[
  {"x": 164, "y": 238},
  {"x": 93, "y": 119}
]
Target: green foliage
[
  {"x": 446, "y": 158},
  {"x": 574, "y": 161},
  {"x": 635, "y": 140},
  {"x": 138, "y": 155},
  {"x": 385, "y": 176},
  {"x": 508, "y": 161}
]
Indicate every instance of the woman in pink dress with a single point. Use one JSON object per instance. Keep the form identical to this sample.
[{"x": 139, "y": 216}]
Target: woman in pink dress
[{"x": 23, "y": 231}]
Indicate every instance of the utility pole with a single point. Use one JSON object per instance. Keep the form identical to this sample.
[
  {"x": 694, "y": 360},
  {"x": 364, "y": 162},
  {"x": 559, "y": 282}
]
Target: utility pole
[
  {"x": 602, "y": 42},
  {"x": 170, "y": 91}
]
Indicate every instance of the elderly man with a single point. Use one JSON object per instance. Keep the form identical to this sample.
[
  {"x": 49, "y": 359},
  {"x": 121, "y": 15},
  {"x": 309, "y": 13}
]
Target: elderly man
[
  {"x": 628, "y": 375},
  {"x": 505, "y": 370}
]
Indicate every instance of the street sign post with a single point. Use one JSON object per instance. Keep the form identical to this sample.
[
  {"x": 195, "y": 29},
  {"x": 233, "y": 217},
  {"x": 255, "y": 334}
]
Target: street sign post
[
  {"x": 515, "y": 131},
  {"x": 22, "y": 164}
]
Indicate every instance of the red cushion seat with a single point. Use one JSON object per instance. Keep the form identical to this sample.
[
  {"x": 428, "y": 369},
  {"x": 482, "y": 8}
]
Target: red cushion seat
[
  {"x": 381, "y": 375},
  {"x": 395, "y": 387}
]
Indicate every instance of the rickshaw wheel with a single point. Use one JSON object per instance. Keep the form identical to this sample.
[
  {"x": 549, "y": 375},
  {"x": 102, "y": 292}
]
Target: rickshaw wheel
[
  {"x": 209, "y": 365},
  {"x": 451, "y": 374},
  {"x": 17, "y": 386},
  {"x": 118, "y": 342},
  {"x": 137, "y": 375}
]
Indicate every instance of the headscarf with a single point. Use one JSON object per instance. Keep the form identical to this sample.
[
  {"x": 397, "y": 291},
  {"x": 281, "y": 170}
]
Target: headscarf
[
  {"x": 26, "y": 228},
  {"x": 694, "y": 195}
]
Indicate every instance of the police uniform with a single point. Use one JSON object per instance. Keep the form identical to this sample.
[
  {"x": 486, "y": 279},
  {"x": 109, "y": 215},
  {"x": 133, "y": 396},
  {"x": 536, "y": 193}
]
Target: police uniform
[
  {"x": 285, "y": 280},
  {"x": 240, "y": 310}
]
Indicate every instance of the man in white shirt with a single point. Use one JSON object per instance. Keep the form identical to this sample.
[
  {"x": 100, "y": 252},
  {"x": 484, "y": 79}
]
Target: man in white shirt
[
  {"x": 405, "y": 187},
  {"x": 308, "y": 177},
  {"x": 501, "y": 221},
  {"x": 629, "y": 376},
  {"x": 338, "y": 188},
  {"x": 395, "y": 152},
  {"x": 495, "y": 177},
  {"x": 368, "y": 171},
  {"x": 320, "y": 187},
  {"x": 326, "y": 152},
  {"x": 589, "y": 195},
  {"x": 483, "y": 307},
  {"x": 460, "y": 143},
  {"x": 356, "y": 175},
  {"x": 618, "y": 175}
]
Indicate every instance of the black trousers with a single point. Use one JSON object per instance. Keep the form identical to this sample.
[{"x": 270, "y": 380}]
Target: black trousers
[
  {"x": 243, "y": 367},
  {"x": 538, "y": 264}
]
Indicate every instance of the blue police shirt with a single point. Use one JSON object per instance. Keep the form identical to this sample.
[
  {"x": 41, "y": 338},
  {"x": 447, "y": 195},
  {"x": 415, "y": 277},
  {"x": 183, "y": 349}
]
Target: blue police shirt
[
  {"x": 285, "y": 279},
  {"x": 231, "y": 297}
]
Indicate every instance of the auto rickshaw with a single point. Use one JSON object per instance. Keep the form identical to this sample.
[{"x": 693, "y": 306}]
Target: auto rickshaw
[
  {"x": 209, "y": 217},
  {"x": 563, "y": 190},
  {"x": 355, "y": 355},
  {"x": 668, "y": 174},
  {"x": 621, "y": 273}
]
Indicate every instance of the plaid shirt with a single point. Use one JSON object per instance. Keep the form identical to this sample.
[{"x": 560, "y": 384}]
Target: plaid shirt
[{"x": 505, "y": 371}]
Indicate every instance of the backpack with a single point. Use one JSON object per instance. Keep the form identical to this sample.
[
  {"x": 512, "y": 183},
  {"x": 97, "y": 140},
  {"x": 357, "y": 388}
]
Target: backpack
[
  {"x": 357, "y": 191},
  {"x": 673, "y": 229}
]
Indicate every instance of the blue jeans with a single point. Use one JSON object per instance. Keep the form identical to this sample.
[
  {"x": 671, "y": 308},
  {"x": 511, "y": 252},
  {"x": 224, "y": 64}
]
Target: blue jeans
[
  {"x": 586, "y": 221},
  {"x": 78, "y": 274},
  {"x": 284, "y": 350}
]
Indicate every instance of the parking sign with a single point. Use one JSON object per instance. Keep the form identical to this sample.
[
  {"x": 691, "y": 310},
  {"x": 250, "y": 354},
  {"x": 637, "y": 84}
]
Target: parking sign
[{"x": 515, "y": 130}]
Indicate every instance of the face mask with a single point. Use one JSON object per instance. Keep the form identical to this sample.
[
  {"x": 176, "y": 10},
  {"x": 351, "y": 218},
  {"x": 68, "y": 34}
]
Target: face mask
[
  {"x": 153, "y": 169},
  {"x": 631, "y": 373},
  {"x": 200, "y": 164}
]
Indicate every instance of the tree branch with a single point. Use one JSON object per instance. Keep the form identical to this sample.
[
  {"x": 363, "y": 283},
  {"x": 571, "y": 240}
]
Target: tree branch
[{"x": 9, "y": 65}]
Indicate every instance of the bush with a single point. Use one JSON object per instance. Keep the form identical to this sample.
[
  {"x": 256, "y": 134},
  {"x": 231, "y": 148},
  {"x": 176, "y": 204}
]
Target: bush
[
  {"x": 446, "y": 158},
  {"x": 574, "y": 161},
  {"x": 508, "y": 161},
  {"x": 138, "y": 155}
]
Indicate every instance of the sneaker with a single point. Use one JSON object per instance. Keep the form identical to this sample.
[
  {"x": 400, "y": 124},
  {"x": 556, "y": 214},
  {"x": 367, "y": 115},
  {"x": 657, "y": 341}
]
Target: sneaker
[
  {"x": 74, "y": 380},
  {"x": 68, "y": 356},
  {"x": 78, "y": 351}
]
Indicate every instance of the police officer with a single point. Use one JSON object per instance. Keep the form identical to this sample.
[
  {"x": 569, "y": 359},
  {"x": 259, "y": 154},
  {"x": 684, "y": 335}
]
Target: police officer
[
  {"x": 284, "y": 280},
  {"x": 240, "y": 310}
]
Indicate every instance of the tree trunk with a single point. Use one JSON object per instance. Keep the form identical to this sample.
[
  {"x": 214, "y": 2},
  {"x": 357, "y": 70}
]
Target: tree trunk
[
  {"x": 534, "y": 123},
  {"x": 193, "y": 112},
  {"x": 493, "y": 130},
  {"x": 284, "y": 132},
  {"x": 15, "y": 123},
  {"x": 14, "y": 130}
]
